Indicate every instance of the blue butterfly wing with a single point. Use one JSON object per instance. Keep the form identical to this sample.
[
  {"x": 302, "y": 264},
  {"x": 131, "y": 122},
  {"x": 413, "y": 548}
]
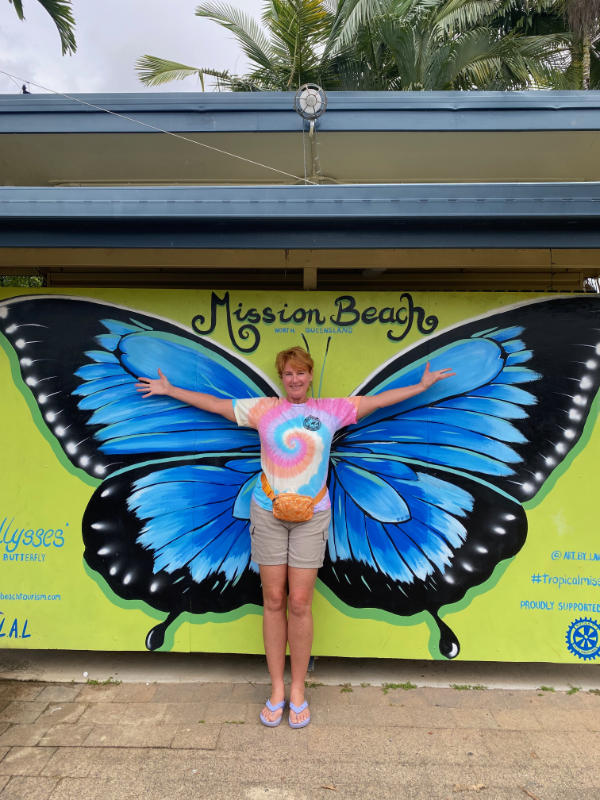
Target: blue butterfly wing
[
  {"x": 176, "y": 535},
  {"x": 81, "y": 359},
  {"x": 525, "y": 382},
  {"x": 168, "y": 525},
  {"x": 426, "y": 495},
  {"x": 406, "y": 539}
]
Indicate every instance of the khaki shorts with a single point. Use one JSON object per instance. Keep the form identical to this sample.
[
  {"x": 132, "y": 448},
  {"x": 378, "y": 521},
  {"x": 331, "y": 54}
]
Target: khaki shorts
[{"x": 297, "y": 544}]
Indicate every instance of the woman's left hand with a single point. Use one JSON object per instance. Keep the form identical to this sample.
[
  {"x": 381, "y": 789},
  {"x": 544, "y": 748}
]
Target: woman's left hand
[{"x": 430, "y": 377}]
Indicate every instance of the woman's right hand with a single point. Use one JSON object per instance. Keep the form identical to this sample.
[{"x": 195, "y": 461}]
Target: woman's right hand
[{"x": 150, "y": 386}]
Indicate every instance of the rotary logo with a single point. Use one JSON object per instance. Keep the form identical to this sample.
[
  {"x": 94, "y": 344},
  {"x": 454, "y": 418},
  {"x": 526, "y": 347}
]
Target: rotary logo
[{"x": 583, "y": 638}]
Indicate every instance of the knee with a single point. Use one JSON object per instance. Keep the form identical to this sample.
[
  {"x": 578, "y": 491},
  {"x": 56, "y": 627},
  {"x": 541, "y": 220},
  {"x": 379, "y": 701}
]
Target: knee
[
  {"x": 300, "y": 604},
  {"x": 275, "y": 600}
]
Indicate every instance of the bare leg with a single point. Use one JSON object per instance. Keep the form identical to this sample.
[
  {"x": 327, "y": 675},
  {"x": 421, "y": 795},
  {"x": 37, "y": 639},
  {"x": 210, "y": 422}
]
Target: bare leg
[
  {"x": 275, "y": 633},
  {"x": 300, "y": 632}
]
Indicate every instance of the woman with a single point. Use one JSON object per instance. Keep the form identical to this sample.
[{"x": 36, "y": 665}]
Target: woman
[{"x": 295, "y": 435}]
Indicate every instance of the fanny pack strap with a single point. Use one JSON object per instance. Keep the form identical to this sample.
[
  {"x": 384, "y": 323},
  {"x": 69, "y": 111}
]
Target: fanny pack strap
[{"x": 266, "y": 486}]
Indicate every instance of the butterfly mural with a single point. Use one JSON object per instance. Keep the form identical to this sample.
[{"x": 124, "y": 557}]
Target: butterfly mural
[{"x": 426, "y": 495}]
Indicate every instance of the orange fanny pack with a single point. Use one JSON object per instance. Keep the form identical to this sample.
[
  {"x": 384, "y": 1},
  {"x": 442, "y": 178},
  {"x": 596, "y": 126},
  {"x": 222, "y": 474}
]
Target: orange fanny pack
[{"x": 289, "y": 506}]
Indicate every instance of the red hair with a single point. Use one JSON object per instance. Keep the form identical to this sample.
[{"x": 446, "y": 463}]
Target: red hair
[{"x": 297, "y": 356}]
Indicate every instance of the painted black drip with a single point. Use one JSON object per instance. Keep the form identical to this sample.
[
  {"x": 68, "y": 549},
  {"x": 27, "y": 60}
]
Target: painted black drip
[
  {"x": 448, "y": 642},
  {"x": 156, "y": 635}
]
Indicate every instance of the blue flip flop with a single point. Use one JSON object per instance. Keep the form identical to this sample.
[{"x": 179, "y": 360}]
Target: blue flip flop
[
  {"x": 299, "y": 710},
  {"x": 272, "y": 723}
]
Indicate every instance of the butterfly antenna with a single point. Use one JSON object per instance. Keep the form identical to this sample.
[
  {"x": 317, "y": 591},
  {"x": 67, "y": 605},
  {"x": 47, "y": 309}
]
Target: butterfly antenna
[
  {"x": 312, "y": 390},
  {"x": 324, "y": 362}
]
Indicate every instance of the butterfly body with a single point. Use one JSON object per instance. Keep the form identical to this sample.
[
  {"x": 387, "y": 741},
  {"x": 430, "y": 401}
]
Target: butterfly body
[{"x": 427, "y": 495}]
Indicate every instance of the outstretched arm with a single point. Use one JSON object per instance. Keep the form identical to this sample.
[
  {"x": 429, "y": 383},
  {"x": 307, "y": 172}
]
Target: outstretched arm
[
  {"x": 369, "y": 403},
  {"x": 206, "y": 402}
]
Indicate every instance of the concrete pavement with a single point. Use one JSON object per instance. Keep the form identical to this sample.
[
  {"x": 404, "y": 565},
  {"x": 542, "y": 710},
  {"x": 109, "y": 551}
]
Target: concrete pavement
[{"x": 202, "y": 739}]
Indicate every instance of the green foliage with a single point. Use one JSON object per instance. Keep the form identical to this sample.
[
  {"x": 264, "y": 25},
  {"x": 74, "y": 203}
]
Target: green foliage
[
  {"x": 21, "y": 280},
  {"x": 387, "y": 44},
  {"x": 62, "y": 16},
  {"x": 406, "y": 686},
  {"x": 466, "y": 687}
]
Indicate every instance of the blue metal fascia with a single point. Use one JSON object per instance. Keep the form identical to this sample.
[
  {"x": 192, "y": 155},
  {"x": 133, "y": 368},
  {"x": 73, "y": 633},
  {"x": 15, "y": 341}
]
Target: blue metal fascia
[
  {"x": 356, "y": 202},
  {"x": 213, "y": 112},
  {"x": 358, "y": 216}
]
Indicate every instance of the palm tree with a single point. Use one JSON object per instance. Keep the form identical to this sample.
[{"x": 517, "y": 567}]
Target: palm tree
[
  {"x": 578, "y": 21},
  {"x": 583, "y": 19},
  {"x": 376, "y": 44},
  {"x": 62, "y": 16},
  {"x": 447, "y": 44},
  {"x": 285, "y": 55}
]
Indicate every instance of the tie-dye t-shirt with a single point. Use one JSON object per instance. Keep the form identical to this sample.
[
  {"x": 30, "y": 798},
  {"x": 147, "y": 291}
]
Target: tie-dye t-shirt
[{"x": 295, "y": 441}]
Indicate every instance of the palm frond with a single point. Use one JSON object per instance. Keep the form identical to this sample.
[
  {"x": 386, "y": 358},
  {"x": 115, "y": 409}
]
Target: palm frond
[
  {"x": 154, "y": 71},
  {"x": 249, "y": 34},
  {"x": 462, "y": 15},
  {"x": 354, "y": 14},
  {"x": 62, "y": 16},
  {"x": 61, "y": 13},
  {"x": 18, "y": 8}
]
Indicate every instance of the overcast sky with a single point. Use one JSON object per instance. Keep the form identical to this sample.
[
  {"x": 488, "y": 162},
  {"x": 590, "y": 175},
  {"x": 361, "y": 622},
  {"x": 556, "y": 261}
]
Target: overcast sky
[{"x": 111, "y": 35}]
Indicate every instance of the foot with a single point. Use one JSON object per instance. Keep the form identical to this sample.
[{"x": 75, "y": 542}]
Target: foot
[
  {"x": 273, "y": 711},
  {"x": 299, "y": 714}
]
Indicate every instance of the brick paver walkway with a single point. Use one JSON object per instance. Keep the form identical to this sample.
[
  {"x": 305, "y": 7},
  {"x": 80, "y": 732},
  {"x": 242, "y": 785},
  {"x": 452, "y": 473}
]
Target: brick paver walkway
[{"x": 203, "y": 740}]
